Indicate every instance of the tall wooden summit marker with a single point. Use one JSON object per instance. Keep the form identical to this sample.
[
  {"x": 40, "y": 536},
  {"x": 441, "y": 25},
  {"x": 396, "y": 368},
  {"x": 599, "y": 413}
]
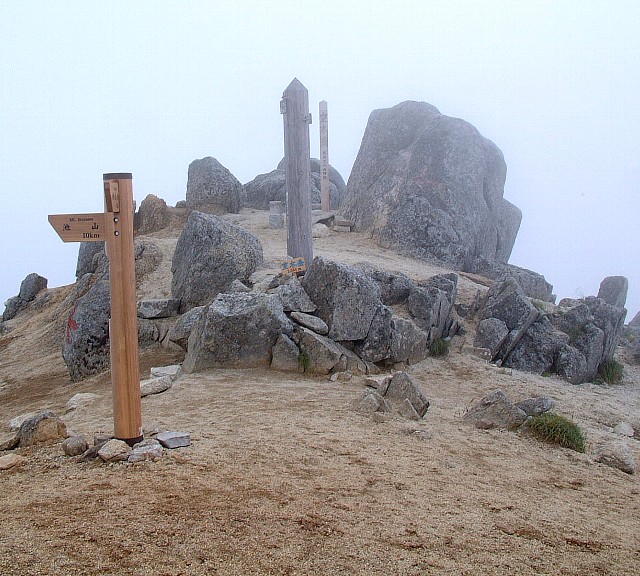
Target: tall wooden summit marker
[
  {"x": 294, "y": 107},
  {"x": 325, "y": 187},
  {"x": 115, "y": 227}
]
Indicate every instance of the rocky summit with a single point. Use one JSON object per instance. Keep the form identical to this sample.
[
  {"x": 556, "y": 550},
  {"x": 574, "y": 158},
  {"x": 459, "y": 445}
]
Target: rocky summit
[{"x": 431, "y": 186}]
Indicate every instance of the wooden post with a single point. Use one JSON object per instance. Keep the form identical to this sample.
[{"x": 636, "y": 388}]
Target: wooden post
[
  {"x": 294, "y": 107},
  {"x": 325, "y": 188},
  {"x": 123, "y": 326}
]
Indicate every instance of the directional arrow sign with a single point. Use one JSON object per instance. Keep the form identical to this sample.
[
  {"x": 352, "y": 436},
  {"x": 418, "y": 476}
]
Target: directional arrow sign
[{"x": 79, "y": 227}]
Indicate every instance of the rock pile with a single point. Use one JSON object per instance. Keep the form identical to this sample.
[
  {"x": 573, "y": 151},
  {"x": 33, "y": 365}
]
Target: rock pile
[{"x": 30, "y": 287}]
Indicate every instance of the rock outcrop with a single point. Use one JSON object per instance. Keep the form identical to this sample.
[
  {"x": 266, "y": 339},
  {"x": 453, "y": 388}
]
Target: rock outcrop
[
  {"x": 153, "y": 215},
  {"x": 432, "y": 187},
  {"x": 210, "y": 254},
  {"x": 613, "y": 290},
  {"x": 212, "y": 188},
  {"x": 30, "y": 287},
  {"x": 270, "y": 187}
]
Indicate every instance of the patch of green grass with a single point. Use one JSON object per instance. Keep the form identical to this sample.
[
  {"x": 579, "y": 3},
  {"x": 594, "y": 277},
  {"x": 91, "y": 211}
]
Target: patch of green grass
[
  {"x": 539, "y": 304},
  {"x": 304, "y": 360},
  {"x": 439, "y": 347},
  {"x": 610, "y": 372},
  {"x": 557, "y": 430}
]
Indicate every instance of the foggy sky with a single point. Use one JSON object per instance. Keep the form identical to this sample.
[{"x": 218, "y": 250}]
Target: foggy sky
[{"x": 147, "y": 87}]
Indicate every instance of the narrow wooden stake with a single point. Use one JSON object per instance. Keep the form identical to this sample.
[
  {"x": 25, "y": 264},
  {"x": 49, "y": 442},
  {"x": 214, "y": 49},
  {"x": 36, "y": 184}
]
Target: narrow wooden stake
[
  {"x": 325, "y": 187},
  {"x": 295, "y": 109},
  {"x": 123, "y": 326}
]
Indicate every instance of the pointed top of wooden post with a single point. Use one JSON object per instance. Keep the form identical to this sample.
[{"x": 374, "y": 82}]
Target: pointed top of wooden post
[{"x": 295, "y": 86}]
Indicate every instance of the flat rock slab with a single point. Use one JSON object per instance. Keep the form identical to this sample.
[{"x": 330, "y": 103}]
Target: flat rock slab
[
  {"x": 172, "y": 440},
  {"x": 161, "y": 308},
  {"x": 318, "y": 325},
  {"x": 174, "y": 371},
  {"x": 616, "y": 455},
  {"x": 155, "y": 385},
  {"x": 149, "y": 449},
  {"x": 115, "y": 451},
  {"x": 80, "y": 399}
]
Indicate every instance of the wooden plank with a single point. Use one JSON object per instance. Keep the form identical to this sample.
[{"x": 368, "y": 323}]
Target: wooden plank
[
  {"x": 296, "y": 118},
  {"x": 79, "y": 227},
  {"x": 293, "y": 266},
  {"x": 325, "y": 185},
  {"x": 123, "y": 326}
]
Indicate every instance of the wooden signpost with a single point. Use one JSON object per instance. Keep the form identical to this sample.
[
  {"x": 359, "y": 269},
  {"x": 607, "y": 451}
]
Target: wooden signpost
[
  {"x": 294, "y": 107},
  {"x": 115, "y": 227},
  {"x": 325, "y": 188}
]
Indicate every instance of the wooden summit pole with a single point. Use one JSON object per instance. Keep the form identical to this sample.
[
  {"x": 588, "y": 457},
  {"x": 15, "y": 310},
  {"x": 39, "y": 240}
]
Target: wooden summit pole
[
  {"x": 325, "y": 188},
  {"x": 294, "y": 107},
  {"x": 123, "y": 326}
]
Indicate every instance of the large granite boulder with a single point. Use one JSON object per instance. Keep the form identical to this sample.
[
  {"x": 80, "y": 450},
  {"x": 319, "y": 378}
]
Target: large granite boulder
[
  {"x": 86, "y": 342},
  {"x": 236, "y": 330},
  {"x": 346, "y": 298},
  {"x": 30, "y": 287},
  {"x": 431, "y": 305},
  {"x": 431, "y": 186},
  {"x": 613, "y": 290},
  {"x": 153, "y": 215},
  {"x": 533, "y": 284},
  {"x": 210, "y": 254},
  {"x": 269, "y": 187},
  {"x": 90, "y": 257},
  {"x": 212, "y": 188}
]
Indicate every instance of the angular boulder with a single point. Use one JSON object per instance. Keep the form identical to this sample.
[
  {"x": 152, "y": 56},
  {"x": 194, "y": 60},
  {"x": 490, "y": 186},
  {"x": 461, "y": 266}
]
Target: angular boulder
[
  {"x": 86, "y": 342},
  {"x": 181, "y": 330},
  {"x": 153, "y": 215},
  {"x": 495, "y": 411},
  {"x": 395, "y": 287},
  {"x": 346, "y": 299},
  {"x": 319, "y": 354},
  {"x": 212, "y": 188},
  {"x": 29, "y": 289},
  {"x": 613, "y": 290},
  {"x": 43, "y": 428},
  {"x": 405, "y": 396},
  {"x": 210, "y": 254},
  {"x": 294, "y": 298},
  {"x": 236, "y": 331},
  {"x": 431, "y": 305},
  {"x": 285, "y": 355},
  {"x": 432, "y": 187}
]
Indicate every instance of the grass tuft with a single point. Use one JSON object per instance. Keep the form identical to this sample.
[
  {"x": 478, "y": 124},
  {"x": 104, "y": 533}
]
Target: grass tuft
[
  {"x": 557, "y": 430},
  {"x": 439, "y": 347},
  {"x": 610, "y": 372},
  {"x": 304, "y": 360}
]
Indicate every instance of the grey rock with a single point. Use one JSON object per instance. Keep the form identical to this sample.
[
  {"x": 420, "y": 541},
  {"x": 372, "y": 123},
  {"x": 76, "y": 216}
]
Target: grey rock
[
  {"x": 507, "y": 302},
  {"x": 173, "y": 440},
  {"x": 395, "y": 287},
  {"x": 431, "y": 305},
  {"x": 86, "y": 343},
  {"x": 209, "y": 255},
  {"x": 75, "y": 445},
  {"x": 533, "y": 284},
  {"x": 376, "y": 346},
  {"x": 285, "y": 355},
  {"x": 624, "y": 429},
  {"x": 346, "y": 299},
  {"x": 153, "y": 215},
  {"x": 212, "y": 188},
  {"x": 635, "y": 321},
  {"x": 408, "y": 342},
  {"x": 81, "y": 399},
  {"x": 148, "y": 257},
  {"x": 616, "y": 455},
  {"x": 148, "y": 449},
  {"x": 114, "y": 451},
  {"x": 312, "y": 322},
  {"x": 16, "y": 421},
  {"x": 496, "y": 411},
  {"x": 236, "y": 331},
  {"x": 491, "y": 334},
  {"x": 407, "y": 411},
  {"x": 320, "y": 231},
  {"x": 31, "y": 286},
  {"x": 613, "y": 290},
  {"x": 537, "y": 350},
  {"x": 43, "y": 428},
  {"x": 155, "y": 385},
  {"x": 370, "y": 402},
  {"x": 323, "y": 353},
  {"x": 181, "y": 330},
  {"x": 174, "y": 371},
  {"x": 536, "y": 406},
  {"x": 431, "y": 186},
  {"x": 294, "y": 298},
  {"x": 237, "y": 286},
  {"x": 158, "y": 308},
  {"x": 89, "y": 256},
  {"x": 401, "y": 388}
]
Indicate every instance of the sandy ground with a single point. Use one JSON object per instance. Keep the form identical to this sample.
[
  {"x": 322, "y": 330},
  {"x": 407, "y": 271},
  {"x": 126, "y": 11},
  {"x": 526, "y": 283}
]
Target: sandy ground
[{"x": 282, "y": 477}]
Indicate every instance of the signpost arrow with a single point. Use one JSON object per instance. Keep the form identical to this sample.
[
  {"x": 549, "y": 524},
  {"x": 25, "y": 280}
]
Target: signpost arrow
[{"x": 115, "y": 227}]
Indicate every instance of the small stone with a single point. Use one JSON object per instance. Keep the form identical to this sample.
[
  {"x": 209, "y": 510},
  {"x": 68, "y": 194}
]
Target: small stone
[
  {"x": 536, "y": 406},
  {"x": 155, "y": 385},
  {"x": 314, "y": 323},
  {"x": 174, "y": 371},
  {"x": 75, "y": 445},
  {"x": 43, "y": 428},
  {"x": 616, "y": 455},
  {"x": 172, "y": 440},
  {"x": 406, "y": 410},
  {"x": 114, "y": 451},
  {"x": 9, "y": 441},
  {"x": 624, "y": 429},
  {"x": 80, "y": 399},
  {"x": 149, "y": 449},
  {"x": 103, "y": 438},
  {"x": 11, "y": 460}
]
